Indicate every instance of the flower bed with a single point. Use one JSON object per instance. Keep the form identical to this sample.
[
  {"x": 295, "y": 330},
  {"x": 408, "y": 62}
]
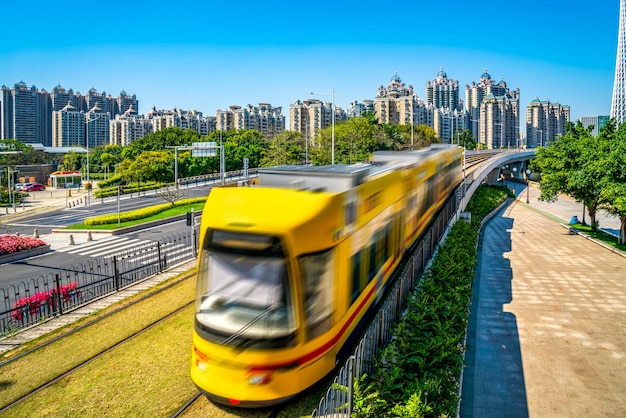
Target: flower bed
[
  {"x": 40, "y": 302},
  {"x": 11, "y": 244},
  {"x": 15, "y": 247}
]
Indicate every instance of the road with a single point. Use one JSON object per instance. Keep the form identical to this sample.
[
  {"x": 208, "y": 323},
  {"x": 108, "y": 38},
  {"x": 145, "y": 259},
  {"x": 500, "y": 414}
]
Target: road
[{"x": 65, "y": 256}]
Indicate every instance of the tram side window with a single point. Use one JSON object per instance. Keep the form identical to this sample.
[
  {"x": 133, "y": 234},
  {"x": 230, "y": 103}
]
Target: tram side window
[
  {"x": 380, "y": 249},
  {"x": 356, "y": 276},
  {"x": 372, "y": 264},
  {"x": 387, "y": 243},
  {"x": 317, "y": 275},
  {"x": 430, "y": 192}
]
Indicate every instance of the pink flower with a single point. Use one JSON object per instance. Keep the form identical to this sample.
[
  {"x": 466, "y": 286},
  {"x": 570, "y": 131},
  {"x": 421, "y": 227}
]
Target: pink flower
[
  {"x": 35, "y": 303},
  {"x": 10, "y": 244}
]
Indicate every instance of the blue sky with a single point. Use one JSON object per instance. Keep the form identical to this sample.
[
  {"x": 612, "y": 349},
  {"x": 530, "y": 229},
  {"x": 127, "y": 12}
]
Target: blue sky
[{"x": 208, "y": 56}]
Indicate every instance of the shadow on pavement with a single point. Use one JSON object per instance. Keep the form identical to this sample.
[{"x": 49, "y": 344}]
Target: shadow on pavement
[{"x": 493, "y": 380}]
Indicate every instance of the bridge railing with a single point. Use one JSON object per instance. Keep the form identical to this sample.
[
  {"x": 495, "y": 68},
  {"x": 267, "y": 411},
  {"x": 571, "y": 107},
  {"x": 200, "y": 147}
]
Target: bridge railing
[{"x": 337, "y": 402}]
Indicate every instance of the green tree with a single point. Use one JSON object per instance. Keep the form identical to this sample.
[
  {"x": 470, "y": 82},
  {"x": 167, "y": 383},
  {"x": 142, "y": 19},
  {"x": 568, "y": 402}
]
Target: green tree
[
  {"x": 612, "y": 145},
  {"x": 285, "y": 148},
  {"x": 250, "y": 144},
  {"x": 73, "y": 161},
  {"x": 107, "y": 161},
  {"x": 159, "y": 141},
  {"x": 355, "y": 140},
  {"x": 570, "y": 165},
  {"x": 393, "y": 137},
  {"x": 467, "y": 140},
  {"x": 25, "y": 153},
  {"x": 149, "y": 166}
]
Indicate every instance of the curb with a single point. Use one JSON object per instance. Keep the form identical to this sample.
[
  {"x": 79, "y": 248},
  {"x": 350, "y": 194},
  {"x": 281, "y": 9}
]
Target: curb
[
  {"x": 127, "y": 229},
  {"x": 9, "y": 258},
  {"x": 597, "y": 241}
]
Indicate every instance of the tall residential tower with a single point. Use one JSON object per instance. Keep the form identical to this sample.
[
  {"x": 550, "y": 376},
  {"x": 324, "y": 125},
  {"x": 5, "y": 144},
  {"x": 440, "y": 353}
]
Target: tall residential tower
[{"x": 618, "y": 105}]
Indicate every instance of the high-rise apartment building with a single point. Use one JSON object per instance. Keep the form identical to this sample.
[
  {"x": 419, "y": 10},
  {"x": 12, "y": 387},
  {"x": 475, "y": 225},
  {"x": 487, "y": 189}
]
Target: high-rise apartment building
[
  {"x": 129, "y": 127},
  {"x": 61, "y": 97},
  {"x": 499, "y": 121},
  {"x": 356, "y": 108},
  {"x": 309, "y": 117},
  {"x": 397, "y": 104},
  {"x": 97, "y": 127},
  {"x": 443, "y": 93},
  {"x": 618, "y": 104},
  {"x": 442, "y": 96},
  {"x": 264, "y": 118},
  {"x": 448, "y": 124},
  {"x": 183, "y": 119},
  {"x": 545, "y": 122},
  {"x": 122, "y": 103},
  {"x": 26, "y": 114},
  {"x": 93, "y": 98},
  {"x": 492, "y": 114},
  {"x": 598, "y": 122},
  {"x": 68, "y": 127}
]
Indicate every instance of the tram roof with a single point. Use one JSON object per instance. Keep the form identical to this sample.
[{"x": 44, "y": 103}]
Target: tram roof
[{"x": 337, "y": 178}]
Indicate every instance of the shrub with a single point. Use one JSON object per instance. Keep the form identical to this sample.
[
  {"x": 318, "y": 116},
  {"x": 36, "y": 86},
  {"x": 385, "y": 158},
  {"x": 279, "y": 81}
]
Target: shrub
[
  {"x": 417, "y": 374},
  {"x": 140, "y": 213}
]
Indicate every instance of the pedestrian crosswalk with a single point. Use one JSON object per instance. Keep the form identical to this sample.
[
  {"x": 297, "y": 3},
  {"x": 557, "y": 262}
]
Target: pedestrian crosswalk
[
  {"x": 122, "y": 246},
  {"x": 104, "y": 247}
]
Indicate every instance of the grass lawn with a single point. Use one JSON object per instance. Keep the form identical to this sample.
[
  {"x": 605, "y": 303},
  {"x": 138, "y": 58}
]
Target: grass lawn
[
  {"x": 600, "y": 236},
  {"x": 178, "y": 210}
]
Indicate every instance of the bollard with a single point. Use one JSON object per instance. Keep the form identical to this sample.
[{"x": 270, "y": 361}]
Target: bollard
[
  {"x": 89, "y": 237},
  {"x": 36, "y": 233},
  {"x": 71, "y": 239},
  {"x": 17, "y": 234}
]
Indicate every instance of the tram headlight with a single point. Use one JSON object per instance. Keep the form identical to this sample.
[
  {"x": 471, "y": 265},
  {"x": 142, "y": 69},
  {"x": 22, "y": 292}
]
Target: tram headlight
[
  {"x": 260, "y": 378},
  {"x": 201, "y": 359}
]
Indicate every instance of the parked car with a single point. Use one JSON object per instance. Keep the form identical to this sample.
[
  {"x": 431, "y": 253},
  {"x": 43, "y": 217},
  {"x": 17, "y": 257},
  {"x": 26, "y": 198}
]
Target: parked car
[
  {"x": 33, "y": 187},
  {"x": 20, "y": 186}
]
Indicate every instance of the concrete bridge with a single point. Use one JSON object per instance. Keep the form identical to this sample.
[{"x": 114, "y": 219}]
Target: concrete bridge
[{"x": 501, "y": 166}]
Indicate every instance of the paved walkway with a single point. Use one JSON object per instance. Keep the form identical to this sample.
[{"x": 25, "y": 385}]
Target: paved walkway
[{"x": 547, "y": 335}]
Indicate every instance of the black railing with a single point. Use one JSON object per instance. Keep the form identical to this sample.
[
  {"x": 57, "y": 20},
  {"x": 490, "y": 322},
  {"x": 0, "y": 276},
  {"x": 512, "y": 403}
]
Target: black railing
[{"x": 65, "y": 289}]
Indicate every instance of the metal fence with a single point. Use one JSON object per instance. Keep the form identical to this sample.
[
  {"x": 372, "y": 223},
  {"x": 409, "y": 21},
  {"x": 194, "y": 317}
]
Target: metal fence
[
  {"x": 67, "y": 288},
  {"x": 338, "y": 400}
]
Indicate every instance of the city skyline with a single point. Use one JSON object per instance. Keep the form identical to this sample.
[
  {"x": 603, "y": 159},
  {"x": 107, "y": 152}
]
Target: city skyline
[{"x": 557, "y": 52}]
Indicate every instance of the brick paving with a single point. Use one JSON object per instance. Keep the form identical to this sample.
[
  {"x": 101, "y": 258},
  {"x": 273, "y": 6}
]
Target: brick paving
[{"x": 547, "y": 335}]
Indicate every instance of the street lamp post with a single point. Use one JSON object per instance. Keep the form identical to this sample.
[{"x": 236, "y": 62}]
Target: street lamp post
[
  {"x": 332, "y": 116},
  {"x": 412, "y": 119},
  {"x": 528, "y": 171}
]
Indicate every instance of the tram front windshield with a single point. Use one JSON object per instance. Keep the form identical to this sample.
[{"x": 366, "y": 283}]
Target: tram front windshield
[{"x": 243, "y": 294}]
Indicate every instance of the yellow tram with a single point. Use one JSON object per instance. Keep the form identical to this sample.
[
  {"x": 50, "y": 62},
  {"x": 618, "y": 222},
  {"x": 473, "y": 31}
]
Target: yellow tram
[{"x": 290, "y": 268}]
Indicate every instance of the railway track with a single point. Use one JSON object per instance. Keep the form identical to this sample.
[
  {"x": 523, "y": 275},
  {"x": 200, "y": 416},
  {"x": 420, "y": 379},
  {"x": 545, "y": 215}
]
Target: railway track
[
  {"x": 92, "y": 358},
  {"x": 19, "y": 393},
  {"x": 28, "y": 388}
]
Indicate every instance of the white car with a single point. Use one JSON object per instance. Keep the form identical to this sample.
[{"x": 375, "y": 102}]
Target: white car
[{"x": 20, "y": 186}]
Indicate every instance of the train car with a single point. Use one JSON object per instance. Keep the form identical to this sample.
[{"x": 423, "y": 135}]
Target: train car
[{"x": 290, "y": 269}]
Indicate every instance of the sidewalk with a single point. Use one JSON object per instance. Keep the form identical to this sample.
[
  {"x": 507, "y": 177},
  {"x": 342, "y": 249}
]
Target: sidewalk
[
  {"x": 547, "y": 334},
  {"x": 565, "y": 208},
  {"x": 44, "y": 201}
]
